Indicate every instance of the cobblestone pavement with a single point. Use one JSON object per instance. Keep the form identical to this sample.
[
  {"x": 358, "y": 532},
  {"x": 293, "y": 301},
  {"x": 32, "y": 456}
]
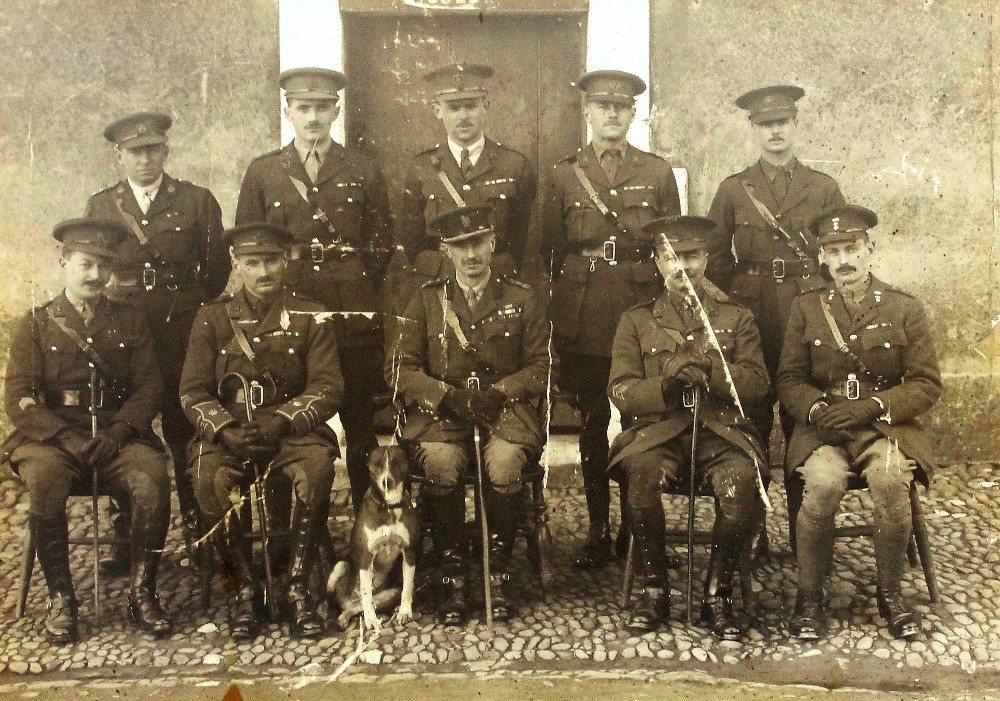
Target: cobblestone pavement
[{"x": 575, "y": 627}]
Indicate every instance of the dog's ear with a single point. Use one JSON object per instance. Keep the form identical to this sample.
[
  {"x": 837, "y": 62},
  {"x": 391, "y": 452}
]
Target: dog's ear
[{"x": 376, "y": 459}]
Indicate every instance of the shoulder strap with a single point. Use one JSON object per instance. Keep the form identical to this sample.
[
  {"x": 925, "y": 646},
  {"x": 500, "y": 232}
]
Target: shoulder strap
[
  {"x": 596, "y": 198},
  {"x": 769, "y": 218},
  {"x": 838, "y": 337},
  {"x": 446, "y": 181},
  {"x": 303, "y": 191},
  {"x": 132, "y": 223},
  {"x": 87, "y": 349},
  {"x": 244, "y": 344},
  {"x": 451, "y": 319}
]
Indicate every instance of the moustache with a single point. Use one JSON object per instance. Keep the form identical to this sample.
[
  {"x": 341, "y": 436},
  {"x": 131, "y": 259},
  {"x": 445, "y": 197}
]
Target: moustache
[
  {"x": 265, "y": 281},
  {"x": 846, "y": 269}
]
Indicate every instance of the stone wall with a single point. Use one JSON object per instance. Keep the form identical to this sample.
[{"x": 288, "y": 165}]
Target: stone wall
[{"x": 898, "y": 109}]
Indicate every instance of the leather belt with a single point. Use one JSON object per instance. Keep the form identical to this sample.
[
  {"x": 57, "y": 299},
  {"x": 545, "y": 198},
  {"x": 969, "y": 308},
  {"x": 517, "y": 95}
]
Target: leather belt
[
  {"x": 81, "y": 398},
  {"x": 611, "y": 252},
  {"x": 778, "y": 268},
  {"x": 151, "y": 276},
  {"x": 318, "y": 252},
  {"x": 852, "y": 388}
]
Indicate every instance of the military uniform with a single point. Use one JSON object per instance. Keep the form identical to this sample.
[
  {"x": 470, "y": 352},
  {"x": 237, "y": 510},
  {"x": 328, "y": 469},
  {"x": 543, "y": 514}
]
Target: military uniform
[
  {"x": 601, "y": 271},
  {"x": 503, "y": 343},
  {"x": 296, "y": 363},
  {"x": 756, "y": 263},
  {"x": 653, "y": 342},
  {"x": 48, "y": 399},
  {"x": 343, "y": 237},
  {"x": 173, "y": 263},
  {"x": 888, "y": 370}
]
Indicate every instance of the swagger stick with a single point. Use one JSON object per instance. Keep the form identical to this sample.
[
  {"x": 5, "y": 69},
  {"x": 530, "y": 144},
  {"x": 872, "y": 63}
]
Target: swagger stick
[
  {"x": 94, "y": 395},
  {"x": 487, "y": 593},
  {"x": 692, "y": 493}
]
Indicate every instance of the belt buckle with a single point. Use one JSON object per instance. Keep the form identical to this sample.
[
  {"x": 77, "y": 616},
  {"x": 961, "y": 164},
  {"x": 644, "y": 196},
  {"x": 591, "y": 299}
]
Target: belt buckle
[
  {"x": 71, "y": 397},
  {"x": 611, "y": 251},
  {"x": 256, "y": 394},
  {"x": 149, "y": 278},
  {"x": 853, "y": 388},
  {"x": 316, "y": 252},
  {"x": 687, "y": 397},
  {"x": 778, "y": 268},
  {"x": 472, "y": 382},
  {"x": 99, "y": 404}
]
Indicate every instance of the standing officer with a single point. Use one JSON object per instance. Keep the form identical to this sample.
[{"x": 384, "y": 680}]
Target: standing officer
[
  {"x": 474, "y": 350},
  {"x": 466, "y": 169},
  {"x": 333, "y": 201},
  {"x": 604, "y": 194},
  {"x": 78, "y": 356},
  {"x": 661, "y": 351},
  {"x": 768, "y": 256},
  {"x": 857, "y": 369},
  {"x": 275, "y": 341},
  {"x": 172, "y": 263}
]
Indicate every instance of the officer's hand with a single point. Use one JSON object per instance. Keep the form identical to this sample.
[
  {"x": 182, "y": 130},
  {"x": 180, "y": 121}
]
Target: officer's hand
[
  {"x": 271, "y": 429},
  {"x": 458, "y": 401},
  {"x": 100, "y": 449},
  {"x": 701, "y": 361},
  {"x": 487, "y": 406},
  {"x": 237, "y": 439},
  {"x": 73, "y": 442},
  {"x": 850, "y": 414},
  {"x": 693, "y": 375}
]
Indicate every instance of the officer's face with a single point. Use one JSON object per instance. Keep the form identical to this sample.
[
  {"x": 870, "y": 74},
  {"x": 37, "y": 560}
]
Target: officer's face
[
  {"x": 472, "y": 256},
  {"x": 86, "y": 274},
  {"x": 262, "y": 273},
  {"x": 673, "y": 268},
  {"x": 463, "y": 119},
  {"x": 849, "y": 261},
  {"x": 143, "y": 164},
  {"x": 776, "y": 136},
  {"x": 609, "y": 121},
  {"x": 312, "y": 119}
]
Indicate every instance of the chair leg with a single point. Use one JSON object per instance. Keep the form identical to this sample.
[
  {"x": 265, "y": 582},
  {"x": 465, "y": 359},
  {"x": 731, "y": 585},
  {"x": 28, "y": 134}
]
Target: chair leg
[
  {"x": 27, "y": 566},
  {"x": 923, "y": 544},
  {"x": 629, "y": 577},
  {"x": 535, "y": 530},
  {"x": 793, "y": 493}
]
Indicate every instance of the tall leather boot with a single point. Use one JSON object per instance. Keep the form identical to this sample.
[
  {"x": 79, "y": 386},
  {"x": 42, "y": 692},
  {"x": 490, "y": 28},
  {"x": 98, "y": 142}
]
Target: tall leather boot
[
  {"x": 598, "y": 550},
  {"x": 653, "y": 607},
  {"x": 52, "y": 539},
  {"x": 717, "y": 606},
  {"x": 814, "y": 552},
  {"x": 890, "y": 541},
  {"x": 148, "y": 536},
  {"x": 447, "y": 512},
  {"x": 503, "y": 513},
  {"x": 305, "y": 620},
  {"x": 621, "y": 540},
  {"x": 237, "y": 566},
  {"x": 118, "y": 560}
]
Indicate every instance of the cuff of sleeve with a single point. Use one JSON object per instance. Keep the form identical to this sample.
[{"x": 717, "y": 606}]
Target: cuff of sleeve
[
  {"x": 817, "y": 404},
  {"x": 885, "y": 409},
  {"x": 301, "y": 413}
]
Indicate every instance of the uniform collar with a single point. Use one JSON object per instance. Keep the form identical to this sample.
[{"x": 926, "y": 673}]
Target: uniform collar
[
  {"x": 475, "y": 150},
  {"x": 771, "y": 171},
  {"x": 321, "y": 149},
  {"x": 478, "y": 289},
  {"x": 149, "y": 190},
  {"x": 621, "y": 145},
  {"x": 856, "y": 291}
]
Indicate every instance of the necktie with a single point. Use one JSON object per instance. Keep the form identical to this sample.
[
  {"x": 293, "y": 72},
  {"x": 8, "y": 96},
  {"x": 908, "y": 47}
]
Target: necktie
[
  {"x": 781, "y": 181},
  {"x": 466, "y": 162},
  {"x": 145, "y": 201},
  {"x": 86, "y": 314},
  {"x": 471, "y": 298},
  {"x": 312, "y": 166},
  {"x": 852, "y": 303},
  {"x": 609, "y": 161}
]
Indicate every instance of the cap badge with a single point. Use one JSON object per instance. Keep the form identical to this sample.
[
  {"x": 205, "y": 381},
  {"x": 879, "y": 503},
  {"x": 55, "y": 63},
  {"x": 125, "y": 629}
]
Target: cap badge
[
  {"x": 142, "y": 128},
  {"x": 458, "y": 78},
  {"x": 836, "y": 223},
  {"x": 466, "y": 222}
]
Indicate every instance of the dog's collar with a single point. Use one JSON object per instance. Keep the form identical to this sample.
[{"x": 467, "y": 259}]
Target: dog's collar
[{"x": 394, "y": 506}]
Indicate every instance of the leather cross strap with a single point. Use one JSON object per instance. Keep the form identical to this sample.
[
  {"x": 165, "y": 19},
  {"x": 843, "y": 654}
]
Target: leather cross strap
[
  {"x": 446, "y": 181},
  {"x": 588, "y": 187},
  {"x": 451, "y": 319},
  {"x": 769, "y": 218},
  {"x": 87, "y": 349},
  {"x": 244, "y": 344},
  {"x": 132, "y": 223},
  {"x": 838, "y": 337},
  {"x": 303, "y": 191}
]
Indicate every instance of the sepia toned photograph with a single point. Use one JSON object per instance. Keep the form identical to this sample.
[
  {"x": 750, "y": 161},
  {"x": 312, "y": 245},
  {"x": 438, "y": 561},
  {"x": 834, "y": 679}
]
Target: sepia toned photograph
[{"x": 499, "y": 348}]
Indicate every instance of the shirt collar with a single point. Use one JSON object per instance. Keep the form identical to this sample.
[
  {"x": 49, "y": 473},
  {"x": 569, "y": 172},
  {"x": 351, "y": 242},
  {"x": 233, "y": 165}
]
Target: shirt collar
[
  {"x": 322, "y": 148},
  {"x": 475, "y": 150},
  {"x": 857, "y": 291},
  {"x": 259, "y": 307},
  {"x": 620, "y": 145},
  {"x": 478, "y": 289},
  {"x": 149, "y": 190},
  {"x": 771, "y": 170},
  {"x": 78, "y": 304}
]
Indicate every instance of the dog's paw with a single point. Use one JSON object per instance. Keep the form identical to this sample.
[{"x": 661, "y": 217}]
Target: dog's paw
[
  {"x": 372, "y": 622},
  {"x": 404, "y": 614}
]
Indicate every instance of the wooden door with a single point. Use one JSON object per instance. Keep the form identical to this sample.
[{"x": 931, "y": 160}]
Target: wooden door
[{"x": 534, "y": 106}]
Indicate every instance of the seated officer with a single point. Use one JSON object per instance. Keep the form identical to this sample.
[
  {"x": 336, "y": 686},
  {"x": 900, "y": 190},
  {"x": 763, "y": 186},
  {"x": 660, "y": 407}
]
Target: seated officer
[
  {"x": 661, "y": 351},
  {"x": 286, "y": 357},
  {"x": 858, "y": 366},
  {"x": 75, "y": 358},
  {"x": 473, "y": 351}
]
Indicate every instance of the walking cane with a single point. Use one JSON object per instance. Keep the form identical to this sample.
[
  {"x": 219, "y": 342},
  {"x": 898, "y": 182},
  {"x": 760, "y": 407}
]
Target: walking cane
[
  {"x": 695, "y": 407},
  {"x": 94, "y": 399},
  {"x": 484, "y": 526},
  {"x": 253, "y": 397}
]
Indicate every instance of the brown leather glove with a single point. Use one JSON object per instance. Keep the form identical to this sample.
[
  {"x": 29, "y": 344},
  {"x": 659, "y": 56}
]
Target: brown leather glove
[
  {"x": 73, "y": 442},
  {"x": 106, "y": 444}
]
